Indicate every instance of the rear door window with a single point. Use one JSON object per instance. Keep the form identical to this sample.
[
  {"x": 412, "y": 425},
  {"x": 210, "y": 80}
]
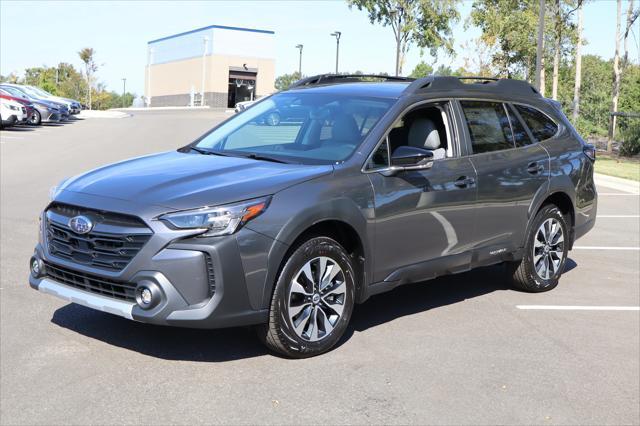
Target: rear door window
[
  {"x": 541, "y": 126},
  {"x": 489, "y": 126},
  {"x": 520, "y": 135}
]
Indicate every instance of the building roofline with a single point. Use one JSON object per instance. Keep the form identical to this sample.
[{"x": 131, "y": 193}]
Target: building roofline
[{"x": 222, "y": 27}]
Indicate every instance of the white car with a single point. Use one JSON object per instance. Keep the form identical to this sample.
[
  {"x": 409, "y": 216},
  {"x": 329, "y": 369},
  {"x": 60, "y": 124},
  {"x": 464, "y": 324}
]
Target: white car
[{"x": 11, "y": 112}]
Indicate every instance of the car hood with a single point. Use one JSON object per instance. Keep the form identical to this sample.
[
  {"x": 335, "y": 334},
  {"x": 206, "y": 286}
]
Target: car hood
[{"x": 183, "y": 181}]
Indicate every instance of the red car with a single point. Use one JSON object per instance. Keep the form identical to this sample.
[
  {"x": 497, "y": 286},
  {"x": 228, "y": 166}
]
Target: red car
[{"x": 32, "y": 118}]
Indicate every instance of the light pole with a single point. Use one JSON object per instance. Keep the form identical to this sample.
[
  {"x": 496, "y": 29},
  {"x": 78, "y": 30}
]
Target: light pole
[
  {"x": 337, "y": 35},
  {"x": 149, "y": 60},
  {"x": 124, "y": 90},
  {"x": 300, "y": 61},
  {"x": 205, "y": 40}
]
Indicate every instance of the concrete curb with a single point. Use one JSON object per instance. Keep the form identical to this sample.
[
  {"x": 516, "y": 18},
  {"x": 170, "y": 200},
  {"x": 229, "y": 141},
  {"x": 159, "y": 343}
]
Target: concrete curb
[
  {"x": 626, "y": 185},
  {"x": 169, "y": 108},
  {"x": 103, "y": 114}
]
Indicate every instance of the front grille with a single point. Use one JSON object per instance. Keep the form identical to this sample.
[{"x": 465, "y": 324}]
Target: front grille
[
  {"x": 106, "y": 250},
  {"x": 92, "y": 283}
]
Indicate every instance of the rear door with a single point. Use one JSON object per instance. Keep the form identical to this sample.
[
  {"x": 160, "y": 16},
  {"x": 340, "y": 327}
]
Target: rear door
[{"x": 510, "y": 169}]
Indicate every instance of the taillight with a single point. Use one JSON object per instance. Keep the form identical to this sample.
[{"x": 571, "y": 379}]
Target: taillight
[{"x": 590, "y": 151}]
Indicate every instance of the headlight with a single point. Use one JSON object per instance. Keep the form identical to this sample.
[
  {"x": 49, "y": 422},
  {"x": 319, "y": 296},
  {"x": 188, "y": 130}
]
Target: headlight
[{"x": 221, "y": 220}]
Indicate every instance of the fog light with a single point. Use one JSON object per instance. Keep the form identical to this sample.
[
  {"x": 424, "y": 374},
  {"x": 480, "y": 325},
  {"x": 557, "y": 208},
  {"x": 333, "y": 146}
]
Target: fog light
[
  {"x": 148, "y": 295},
  {"x": 145, "y": 296},
  {"x": 37, "y": 267}
]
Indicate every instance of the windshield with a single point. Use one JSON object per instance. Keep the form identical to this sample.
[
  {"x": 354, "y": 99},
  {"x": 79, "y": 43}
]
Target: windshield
[
  {"x": 29, "y": 92},
  {"x": 307, "y": 128},
  {"x": 39, "y": 91},
  {"x": 15, "y": 92}
]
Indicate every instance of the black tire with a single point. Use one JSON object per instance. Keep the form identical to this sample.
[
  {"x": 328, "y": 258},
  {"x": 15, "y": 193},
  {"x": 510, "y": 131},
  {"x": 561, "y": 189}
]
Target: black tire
[
  {"x": 279, "y": 333},
  {"x": 523, "y": 273},
  {"x": 36, "y": 118}
]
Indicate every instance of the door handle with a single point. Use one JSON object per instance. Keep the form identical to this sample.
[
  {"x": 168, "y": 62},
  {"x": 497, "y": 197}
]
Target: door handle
[
  {"x": 535, "y": 168},
  {"x": 464, "y": 181}
]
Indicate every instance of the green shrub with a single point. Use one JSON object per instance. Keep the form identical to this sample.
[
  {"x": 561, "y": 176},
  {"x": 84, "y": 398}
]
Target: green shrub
[{"x": 630, "y": 136}]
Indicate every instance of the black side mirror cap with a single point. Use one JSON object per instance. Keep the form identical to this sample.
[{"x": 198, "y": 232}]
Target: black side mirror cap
[{"x": 407, "y": 156}]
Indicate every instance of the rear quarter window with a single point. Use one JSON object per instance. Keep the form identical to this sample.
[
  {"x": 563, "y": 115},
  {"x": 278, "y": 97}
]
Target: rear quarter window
[{"x": 541, "y": 126}]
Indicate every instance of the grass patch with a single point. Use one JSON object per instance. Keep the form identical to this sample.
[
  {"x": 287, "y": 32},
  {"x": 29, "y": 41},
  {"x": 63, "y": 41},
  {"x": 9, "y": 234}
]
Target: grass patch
[{"x": 618, "y": 167}]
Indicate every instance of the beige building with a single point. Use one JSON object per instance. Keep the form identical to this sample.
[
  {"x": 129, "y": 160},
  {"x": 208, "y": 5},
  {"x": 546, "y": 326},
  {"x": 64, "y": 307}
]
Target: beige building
[{"x": 217, "y": 65}]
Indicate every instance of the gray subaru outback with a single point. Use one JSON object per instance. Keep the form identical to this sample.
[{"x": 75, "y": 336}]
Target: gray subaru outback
[{"x": 314, "y": 199}]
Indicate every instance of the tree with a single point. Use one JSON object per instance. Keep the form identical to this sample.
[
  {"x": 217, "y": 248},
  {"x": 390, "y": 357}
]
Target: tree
[
  {"x": 87, "y": 56},
  {"x": 616, "y": 79},
  {"x": 631, "y": 18},
  {"x": 578, "y": 79},
  {"x": 540, "y": 48},
  {"x": 478, "y": 59},
  {"x": 284, "y": 81},
  {"x": 563, "y": 35},
  {"x": 427, "y": 23},
  {"x": 422, "y": 69},
  {"x": 510, "y": 27}
]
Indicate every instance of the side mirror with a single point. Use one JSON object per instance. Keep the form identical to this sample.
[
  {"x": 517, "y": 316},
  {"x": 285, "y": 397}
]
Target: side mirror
[{"x": 409, "y": 158}]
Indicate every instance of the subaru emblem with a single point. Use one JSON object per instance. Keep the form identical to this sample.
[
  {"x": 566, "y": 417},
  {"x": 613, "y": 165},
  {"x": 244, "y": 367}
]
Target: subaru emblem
[{"x": 80, "y": 224}]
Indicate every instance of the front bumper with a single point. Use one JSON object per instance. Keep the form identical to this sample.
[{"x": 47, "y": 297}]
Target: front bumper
[
  {"x": 50, "y": 117},
  {"x": 179, "y": 267}
]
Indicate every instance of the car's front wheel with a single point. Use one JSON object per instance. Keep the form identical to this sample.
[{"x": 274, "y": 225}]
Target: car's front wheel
[
  {"x": 35, "y": 118},
  {"x": 545, "y": 252},
  {"x": 312, "y": 301}
]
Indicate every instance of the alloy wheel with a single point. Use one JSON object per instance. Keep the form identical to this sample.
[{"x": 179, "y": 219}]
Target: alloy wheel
[
  {"x": 548, "y": 248},
  {"x": 316, "y": 298}
]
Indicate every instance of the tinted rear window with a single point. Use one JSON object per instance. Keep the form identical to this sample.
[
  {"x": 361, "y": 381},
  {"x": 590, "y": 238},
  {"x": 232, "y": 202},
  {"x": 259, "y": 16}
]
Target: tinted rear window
[
  {"x": 540, "y": 125},
  {"x": 519, "y": 133},
  {"x": 488, "y": 126}
]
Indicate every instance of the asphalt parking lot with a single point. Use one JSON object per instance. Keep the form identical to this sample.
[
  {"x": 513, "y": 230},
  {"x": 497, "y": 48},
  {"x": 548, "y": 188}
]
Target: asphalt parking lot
[{"x": 457, "y": 350}]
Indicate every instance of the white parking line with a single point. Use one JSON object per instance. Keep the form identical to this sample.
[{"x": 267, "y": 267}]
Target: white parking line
[
  {"x": 604, "y": 248},
  {"x": 616, "y": 194},
  {"x": 576, "y": 308},
  {"x": 618, "y": 215}
]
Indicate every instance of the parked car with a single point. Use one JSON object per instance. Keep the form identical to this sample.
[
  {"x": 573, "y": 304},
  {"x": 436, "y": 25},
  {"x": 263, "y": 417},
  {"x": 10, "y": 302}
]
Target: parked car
[
  {"x": 73, "y": 105},
  {"x": 45, "y": 111},
  {"x": 318, "y": 197},
  {"x": 28, "y": 105},
  {"x": 62, "y": 106},
  {"x": 11, "y": 112}
]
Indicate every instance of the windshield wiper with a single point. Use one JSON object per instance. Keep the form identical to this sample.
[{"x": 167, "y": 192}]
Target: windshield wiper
[
  {"x": 255, "y": 156},
  {"x": 207, "y": 152}
]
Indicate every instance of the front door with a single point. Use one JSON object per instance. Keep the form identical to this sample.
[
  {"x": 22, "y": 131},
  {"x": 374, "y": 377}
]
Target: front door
[{"x": 424, "y": 219}]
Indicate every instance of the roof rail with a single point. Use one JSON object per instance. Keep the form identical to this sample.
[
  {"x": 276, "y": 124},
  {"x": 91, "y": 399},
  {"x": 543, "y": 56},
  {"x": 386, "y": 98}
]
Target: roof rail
[
  {"x": 343, "y": 78},
  {"x": 485, "y": 84}
]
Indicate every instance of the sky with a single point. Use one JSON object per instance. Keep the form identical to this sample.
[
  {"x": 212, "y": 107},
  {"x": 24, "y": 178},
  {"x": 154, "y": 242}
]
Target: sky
[{"x": 45, "y": 33}]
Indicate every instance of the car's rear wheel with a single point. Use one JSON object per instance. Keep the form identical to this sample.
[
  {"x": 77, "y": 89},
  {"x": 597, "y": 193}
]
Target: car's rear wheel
[
  {"x": 35, "y": 118},
  {"x": 545, "y": 253},
  {"x": 312, "y": 301}
]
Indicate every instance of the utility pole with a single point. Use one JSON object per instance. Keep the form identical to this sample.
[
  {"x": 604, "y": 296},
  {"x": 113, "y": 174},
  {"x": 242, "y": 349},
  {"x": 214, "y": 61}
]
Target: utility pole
[
  {"x": 337, "y": 35},
  {"x": 124, "y": 90},
  {"x": 300, "y": 61}
]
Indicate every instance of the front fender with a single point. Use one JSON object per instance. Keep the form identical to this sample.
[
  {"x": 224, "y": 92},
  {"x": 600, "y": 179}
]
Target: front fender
[{"x": 296, "y": 209}]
